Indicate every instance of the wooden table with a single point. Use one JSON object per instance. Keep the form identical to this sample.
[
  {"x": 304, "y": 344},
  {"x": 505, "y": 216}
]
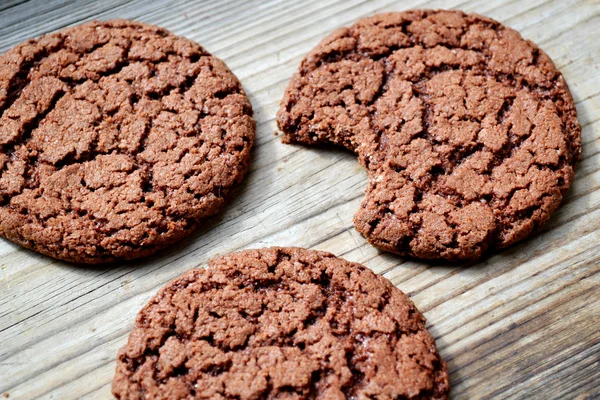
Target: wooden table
[{"x": 522, "y": 324}]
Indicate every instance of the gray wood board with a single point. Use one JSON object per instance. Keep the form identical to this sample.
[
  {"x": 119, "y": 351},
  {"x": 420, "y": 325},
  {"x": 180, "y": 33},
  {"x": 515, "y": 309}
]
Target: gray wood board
[{"x": 521, "y": 324}]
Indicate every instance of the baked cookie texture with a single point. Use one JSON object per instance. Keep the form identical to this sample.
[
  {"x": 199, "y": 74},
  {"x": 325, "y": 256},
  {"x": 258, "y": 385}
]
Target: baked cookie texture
[
  {"x": 280, "y": 323},
  {"x": 116, "y": 139},
  {"x": 469, "y": 132}
]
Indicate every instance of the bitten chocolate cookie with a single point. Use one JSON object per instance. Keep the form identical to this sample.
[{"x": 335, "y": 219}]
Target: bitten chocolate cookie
[
  {"x": 116, "y": 139},
  {"x": 280, "y": 323},
  {"x": 469, "y": 132}
]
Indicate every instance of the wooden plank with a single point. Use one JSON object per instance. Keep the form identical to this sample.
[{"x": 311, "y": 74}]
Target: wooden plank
[{"x": 521, "y": 323}]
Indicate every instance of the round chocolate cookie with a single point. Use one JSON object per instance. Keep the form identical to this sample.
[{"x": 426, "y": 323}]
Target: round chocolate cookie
[
  {"x": 280, "y": 323},
  {"x": 116, "y": 139},
  {"x": 469, "y": 132}
]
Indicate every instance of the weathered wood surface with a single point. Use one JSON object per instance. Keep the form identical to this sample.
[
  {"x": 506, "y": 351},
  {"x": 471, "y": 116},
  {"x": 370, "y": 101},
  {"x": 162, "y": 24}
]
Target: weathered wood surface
[{"x": 522, "y": 324}]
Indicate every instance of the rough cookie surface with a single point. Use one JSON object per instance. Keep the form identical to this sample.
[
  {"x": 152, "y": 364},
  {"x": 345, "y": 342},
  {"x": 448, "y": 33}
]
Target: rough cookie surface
[
  {"x": 280, "y": 323},
  {"x": 116, "y": 139},
  {"x": 469, "y": 132}
]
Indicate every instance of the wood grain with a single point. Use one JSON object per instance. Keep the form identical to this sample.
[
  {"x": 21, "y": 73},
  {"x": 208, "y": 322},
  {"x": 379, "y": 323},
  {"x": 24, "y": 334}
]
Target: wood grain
[{"x": 522, "y": 324}]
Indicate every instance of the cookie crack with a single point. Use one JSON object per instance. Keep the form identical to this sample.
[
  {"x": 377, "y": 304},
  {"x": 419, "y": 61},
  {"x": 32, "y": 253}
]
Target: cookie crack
[{"x": 21, "y": 79}]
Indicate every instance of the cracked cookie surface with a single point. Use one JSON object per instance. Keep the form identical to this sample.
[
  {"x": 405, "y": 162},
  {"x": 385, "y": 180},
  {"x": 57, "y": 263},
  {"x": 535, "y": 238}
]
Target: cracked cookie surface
[
  {"x": 469, "y": 132},
  {"x": 280, "y": 323},
  {"x": 116, "y": 139}
]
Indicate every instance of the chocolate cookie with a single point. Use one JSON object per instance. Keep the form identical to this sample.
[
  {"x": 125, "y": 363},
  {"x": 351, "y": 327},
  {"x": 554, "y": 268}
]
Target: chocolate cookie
[
  {"x": 280, "y": 323},
  {"x": 116, "y": 139},
  {"x": 469, "y": 132}
]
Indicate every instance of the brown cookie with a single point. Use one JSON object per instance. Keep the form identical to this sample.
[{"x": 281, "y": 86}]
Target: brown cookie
[
  {"x": 469, "y": 132},
  {"x": 280, "y": 323},
  {"x": 116, "y": 139}
]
